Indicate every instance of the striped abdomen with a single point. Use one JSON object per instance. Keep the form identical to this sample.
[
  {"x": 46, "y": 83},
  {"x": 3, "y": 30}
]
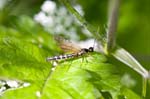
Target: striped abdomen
[
  {"x": 66, "y": 56},
  {"x": 60, "y": 57}
]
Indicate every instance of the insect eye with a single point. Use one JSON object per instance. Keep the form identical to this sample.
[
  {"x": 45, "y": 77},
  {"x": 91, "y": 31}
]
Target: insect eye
[{"x": 91, "y": 49}]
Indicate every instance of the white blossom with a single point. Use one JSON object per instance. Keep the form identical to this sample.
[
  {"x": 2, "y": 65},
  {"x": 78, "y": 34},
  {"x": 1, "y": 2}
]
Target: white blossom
[
  {"x": 12, "y": 83},
  {"x": 58, "y": 20},
  {"x": 43, "y": 19},
  {"x": 48, "y": 7}
]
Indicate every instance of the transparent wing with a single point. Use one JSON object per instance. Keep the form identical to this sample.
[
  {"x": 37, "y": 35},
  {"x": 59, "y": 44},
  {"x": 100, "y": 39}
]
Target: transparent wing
[{"x": 66, "y": 45}]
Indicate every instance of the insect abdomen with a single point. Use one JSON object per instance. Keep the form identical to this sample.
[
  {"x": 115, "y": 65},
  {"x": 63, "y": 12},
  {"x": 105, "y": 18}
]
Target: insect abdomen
[
  {"x": 61, "y": 57},
  {"x": 67, "y": 56}
]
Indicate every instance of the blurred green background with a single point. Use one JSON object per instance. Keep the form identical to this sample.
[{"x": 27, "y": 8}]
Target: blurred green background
[{"x": 132, "y": 32}]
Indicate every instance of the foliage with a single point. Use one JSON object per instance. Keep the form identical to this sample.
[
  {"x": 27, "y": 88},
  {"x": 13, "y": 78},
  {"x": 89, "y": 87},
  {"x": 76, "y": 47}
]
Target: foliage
[
  {"x": 23, "y": 56},
  {"x": 24, "y": 46}
]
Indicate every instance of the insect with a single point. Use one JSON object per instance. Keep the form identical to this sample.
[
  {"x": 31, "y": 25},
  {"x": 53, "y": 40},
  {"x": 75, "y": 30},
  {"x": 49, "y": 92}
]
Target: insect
[{"x": 68, "y": 46}]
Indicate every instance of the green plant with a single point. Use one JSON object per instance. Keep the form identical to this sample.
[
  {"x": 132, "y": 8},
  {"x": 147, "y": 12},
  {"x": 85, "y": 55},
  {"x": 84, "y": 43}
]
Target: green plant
[{"x": 24, "y": 46}]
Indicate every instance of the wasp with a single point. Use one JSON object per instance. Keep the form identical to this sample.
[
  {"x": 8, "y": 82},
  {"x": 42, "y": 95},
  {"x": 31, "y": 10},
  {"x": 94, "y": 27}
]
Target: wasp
[{"x": 67, "y": 46}]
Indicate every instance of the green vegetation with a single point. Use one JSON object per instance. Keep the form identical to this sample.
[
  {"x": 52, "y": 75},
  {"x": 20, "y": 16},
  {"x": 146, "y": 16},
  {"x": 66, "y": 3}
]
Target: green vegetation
[{"x": 25, "y": 45}]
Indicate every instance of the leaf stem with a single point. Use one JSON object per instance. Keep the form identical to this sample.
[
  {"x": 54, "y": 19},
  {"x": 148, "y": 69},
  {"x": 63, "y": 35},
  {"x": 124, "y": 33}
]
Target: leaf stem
[
  {"x": 112, "y": 24},
  {"x": 81, "y": 19}
]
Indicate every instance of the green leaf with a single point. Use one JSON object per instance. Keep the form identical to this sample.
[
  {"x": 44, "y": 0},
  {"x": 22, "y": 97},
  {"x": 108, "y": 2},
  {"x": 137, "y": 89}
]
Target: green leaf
[
  {"x": 24, "y": 61},
  {"x": 85, "y": 77},
  {"x": 125, "y": 57}
]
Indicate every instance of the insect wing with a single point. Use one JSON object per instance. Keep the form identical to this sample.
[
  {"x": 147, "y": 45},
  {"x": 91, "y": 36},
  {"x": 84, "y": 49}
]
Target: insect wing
[{"x": 66, "y": 45}]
